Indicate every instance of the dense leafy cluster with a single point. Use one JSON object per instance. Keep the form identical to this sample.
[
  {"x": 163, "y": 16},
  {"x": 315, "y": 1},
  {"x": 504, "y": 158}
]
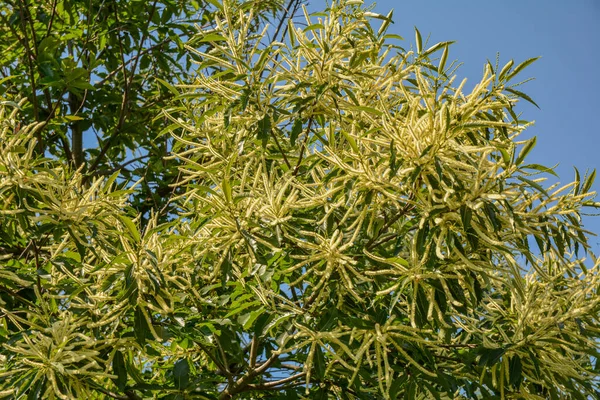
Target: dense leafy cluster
[{"x": 346, "y": 222}]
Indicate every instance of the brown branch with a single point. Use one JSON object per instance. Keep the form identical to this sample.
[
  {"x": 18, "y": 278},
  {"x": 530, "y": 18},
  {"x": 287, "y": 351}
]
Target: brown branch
[
  {"x": 407, "y": 207},
  {"x": 121, "y": 166},
  {"x": 122, "y": 110},
  {"x": 112, "y": 394},
  {"x": 141, "y": 42},
  {"x": 273, "y": 385},
  {"x": 128, "y": 82},
  {"x": 220, "y": 366},
  {"x": 51, "y": 18},
  {"x": 281, "y": 150},
  {"x": 25, "y": 43},
  {"x": 241, "y": 384},
  {"x": 304, "y": 144}
]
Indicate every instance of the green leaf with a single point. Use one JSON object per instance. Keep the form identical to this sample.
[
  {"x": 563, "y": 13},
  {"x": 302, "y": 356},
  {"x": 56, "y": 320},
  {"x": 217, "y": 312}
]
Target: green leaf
[
  {"x": 465, "y": 215},
  {"x": 435, "y": 48},
  {"x": 505, "y": 70},
  {"x": 418, "y": 40},
  {"x": 520, "y": 67},
  {"x": 120, "y": 370},
  {"x": 515, "y": 371},
  {"x": 577, "y": 187},
  {"x": 442, "y": 64},
  {"x": 588, "y": 182},
  {"x": 313, "y": 27},
  {"x": 319, "y": 362},
  {"x": 534, "y": 185},
  {"x": 133, "y": 231},
  {"x": 350, "y": 140},
  {"x": 540, "y": 168},
  {"x": 264, "y": 129},
  {"x": 296, "y": 131},
  {"x": 181, "y": 374},
  {"x": 213, "y": 37},
  {"x": 166, "y": 84},
  {"x": 522, "y": 95},
  {"x": 369, "y": 110},
  {"x": 529, "y": 145},
  {"x": 140, "y": 326},
  {"x": 489, "y": 357}
]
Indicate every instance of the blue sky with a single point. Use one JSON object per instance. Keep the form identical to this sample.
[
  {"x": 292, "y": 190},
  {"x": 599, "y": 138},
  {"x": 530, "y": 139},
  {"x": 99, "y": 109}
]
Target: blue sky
[{"x": 566, "y": 34}]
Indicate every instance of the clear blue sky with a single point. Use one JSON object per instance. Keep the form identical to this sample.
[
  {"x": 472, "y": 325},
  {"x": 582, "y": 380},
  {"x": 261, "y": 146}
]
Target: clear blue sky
[{"x": 566, "y": 34}]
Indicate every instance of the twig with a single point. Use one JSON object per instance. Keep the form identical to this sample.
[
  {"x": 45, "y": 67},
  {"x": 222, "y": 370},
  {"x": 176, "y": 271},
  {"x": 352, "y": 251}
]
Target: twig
[
  {"x": 281, "y": 150},
  {"x": 112, "y": 394},
  {"x": 304, "y": 144},
  {"x": 407, "y": 207},
  {"x": 272, "y": 385}
]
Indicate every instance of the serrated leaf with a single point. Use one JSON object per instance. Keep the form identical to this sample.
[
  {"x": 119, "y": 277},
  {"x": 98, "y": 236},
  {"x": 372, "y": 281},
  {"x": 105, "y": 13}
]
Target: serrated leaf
[
  {"x": 515, "y": 371},
  {"x": 520, "y": 67},
  {"x": 166, "y": 84},
  {"x": 529, "y": 145},
  {"x": 534, "y": 185},
  {"x": 418, "y": 41},
  {"x": 443, "y": 59},
  {"x": 435, "y": 48},
  {"x": 264, "y": 129},
  {"x": 296, "y": 131},
  {"x": 588, "y": 182},
  {"x": 505, "y": 69},
  {"x": 120, "y": 370},
  {"x": 522, "y": 95},
  {"x": 135, "y": 234},
  {"x": 140, "y": 326},
  {"x": 181, "y": 374},
  {"x": 540, "y": 168},
  {"x": 213, "y": 37}
]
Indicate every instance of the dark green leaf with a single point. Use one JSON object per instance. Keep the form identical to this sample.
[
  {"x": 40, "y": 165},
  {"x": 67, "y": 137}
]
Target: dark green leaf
[
  {"x": 119, "y": 370},
  {"x": 264, "y": 129},
  {"x": 296, "y": 131},
  {"x": 181, "y": 374}
]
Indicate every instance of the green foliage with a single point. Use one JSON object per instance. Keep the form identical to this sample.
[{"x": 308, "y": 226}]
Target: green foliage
[
  {"x": 347, "y": 222},
  {"x": 98, "y": 73}
]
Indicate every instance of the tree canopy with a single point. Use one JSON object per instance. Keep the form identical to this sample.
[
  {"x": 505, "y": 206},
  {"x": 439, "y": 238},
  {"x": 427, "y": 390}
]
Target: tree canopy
[{"x": 300, "y": 209}]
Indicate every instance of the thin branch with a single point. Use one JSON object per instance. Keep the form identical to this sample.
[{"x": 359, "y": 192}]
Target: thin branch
[
  {"x": 128, "y": 82},
  {"x": 25, "y": 43},
  {"x": 51, "y": 19},
  {"x": 220, "y": 366},
  {"x": 141, "y": 42},
  {"x": 273, "y": 385},
  {"x": 241, "y": 384},
  {"x": 302, "y": 149},
  {"x": 407, "y": 208},
  {"x": 112, "y": 394},
  {"x": 281, "y": 150},
  {"x": 122, "y": 110}
]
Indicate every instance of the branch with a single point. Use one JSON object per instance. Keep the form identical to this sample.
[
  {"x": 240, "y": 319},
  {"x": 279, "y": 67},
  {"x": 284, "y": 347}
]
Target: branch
[
  {"x": 122, "y": 110},
  {"x": 112, "y": 394},
  {"x": 25, "y": 43},
  {"x": 241, "y": 384},
  {"x": 407, "y": 207},
  {"x": 304, "y": 144},
  {"x": 51, "y": 19},
  {"x": 121, "y": 166},
  {"x": 281, "y": 150},
  {"x": 273, "y": 385},
  {"x": 141, "y": 42}
]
